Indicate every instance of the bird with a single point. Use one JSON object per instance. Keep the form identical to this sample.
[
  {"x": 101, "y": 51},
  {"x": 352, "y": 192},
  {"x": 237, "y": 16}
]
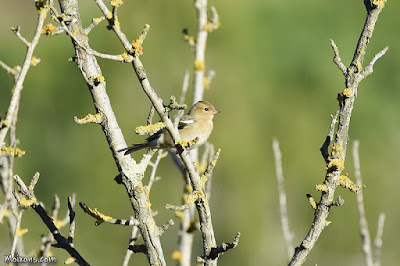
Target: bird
[{"x": 197, "y": 124}]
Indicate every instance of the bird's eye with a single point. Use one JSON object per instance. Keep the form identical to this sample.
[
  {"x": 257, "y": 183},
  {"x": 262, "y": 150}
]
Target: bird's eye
[{"x": 206, "y": 109}]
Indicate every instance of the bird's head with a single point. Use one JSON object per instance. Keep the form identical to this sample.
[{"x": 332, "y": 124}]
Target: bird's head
[{"x": 203, "y": 109}]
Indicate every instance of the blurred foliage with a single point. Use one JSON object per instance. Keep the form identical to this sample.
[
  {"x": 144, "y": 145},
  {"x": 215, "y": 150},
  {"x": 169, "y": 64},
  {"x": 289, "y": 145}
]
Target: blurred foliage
[{"x": 275, "y": 78}]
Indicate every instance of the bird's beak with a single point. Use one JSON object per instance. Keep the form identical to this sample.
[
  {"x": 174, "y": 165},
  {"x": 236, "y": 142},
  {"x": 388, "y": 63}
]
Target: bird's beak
[{"x": 215, "y": 111}]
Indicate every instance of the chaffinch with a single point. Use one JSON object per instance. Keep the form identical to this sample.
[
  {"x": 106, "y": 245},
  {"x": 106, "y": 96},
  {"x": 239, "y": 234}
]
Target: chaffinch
[{"x": 196, "y": 124}]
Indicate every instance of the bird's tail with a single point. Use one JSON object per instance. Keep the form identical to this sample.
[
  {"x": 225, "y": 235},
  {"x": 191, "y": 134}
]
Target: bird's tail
[{"x": 133, "y": 148}]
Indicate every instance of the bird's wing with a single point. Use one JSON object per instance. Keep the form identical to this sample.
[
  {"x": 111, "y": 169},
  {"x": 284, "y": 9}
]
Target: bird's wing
[{"x": 186, "y": 120}]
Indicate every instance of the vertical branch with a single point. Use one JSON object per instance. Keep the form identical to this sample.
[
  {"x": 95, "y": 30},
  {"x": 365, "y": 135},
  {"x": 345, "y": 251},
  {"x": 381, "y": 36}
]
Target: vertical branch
[
  {"x": 200, "y": 50},
  {"x": 367, "y": 249},
  {"x": 378, "y": 239},
  {"x": 335, "y": 162},
  {"x": 287, "y": 234},
  {"x": 16, "y": 233}
]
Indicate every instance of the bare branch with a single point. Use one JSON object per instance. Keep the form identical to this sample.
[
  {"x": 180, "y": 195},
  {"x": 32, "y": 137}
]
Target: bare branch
[
  {"x": 287, "y": 234},
  {"x": 13, "y": 71},
  {"x": 16, "y": 232},
  {"x": 216, "y": 252},
  {"x": 367, "y": 249},
  {"x": 335, "y": 162},
  {"x": 370, "y": 67},
  {"x": 185, "y": 86},
  {"x": 100, "y": 217},
  {"x": 132, "y": 241},
  {"x": 325, "y": 147},
  {"x": 337, "y": 60},
  {"x": 177, "y": 208},
  {"x": 96, "y": 118},
  {"x": 378, "y": 239},
  {"x": 93, "y": 24},
  {"x": 16, "y": 30}
]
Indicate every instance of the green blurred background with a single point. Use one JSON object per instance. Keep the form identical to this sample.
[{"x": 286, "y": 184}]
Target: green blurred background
[{"x": 275, "y": 78}]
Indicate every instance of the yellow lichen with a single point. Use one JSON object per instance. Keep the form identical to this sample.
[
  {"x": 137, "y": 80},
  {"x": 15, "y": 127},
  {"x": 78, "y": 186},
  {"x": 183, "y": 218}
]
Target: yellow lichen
[
  {"x": 89, "y": 118},
  {"x": 98, "y": 20},
  {"x": 70, "y": 260},
  {"x": 116, "y": 2},
  {"x": 345, "y": 182},
  {"x": 321, "y": 187},
  {"x": 117, "y": 25},
  {"x": 99, "y": 79},
  {"x": 199, "y": 65},
  {"x": 147, "y": 192},
  {"x": 177, "y": 255},
  {"x": 212, "y": 25},
  {"x": 195, "y": 195},
  {"x": 109, "y": 15},
  {"x": 48, "y": 29},
  {"x": 20, "y": 232},
  {"x": 188, "y": 144},
  {"x": 95, "y": 214},
  {"x": 35, "y": 61},
  {"x": 336, "y": 163},
  {"x": 152, "y": 128},
  {"x": 12, "y": 151},
  {"x": 312, "y": 202},
  {"x": 4, "y": 123},
  {"x": 59, "y": 223},
  {"x": 189, "y": 39},
  {"x": 137, "y": 48},
  {"x": 348, "y": 92},
  {"x": 26, "y": 203},
  {"x": 126, "y": 57},
  {"x": 380, "y": 3}
]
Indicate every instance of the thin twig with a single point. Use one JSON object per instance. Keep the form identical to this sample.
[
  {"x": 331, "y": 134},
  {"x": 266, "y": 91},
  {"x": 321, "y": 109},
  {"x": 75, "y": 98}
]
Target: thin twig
[
  {"x": 367, "y": 249},
  {"x": 185, "y": 86},
  {"x": 287, "y": 234},
  {"x": 22, "y": 74},
  {"x": 16, "y": 232},
  {"x": 378, "y": 240},
  {"x": 132, "y": 241},
  {"x": 325, "y": 147}
]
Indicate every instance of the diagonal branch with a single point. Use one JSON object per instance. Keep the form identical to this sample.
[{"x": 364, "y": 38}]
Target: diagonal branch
[{"x": 22, "y": 74}]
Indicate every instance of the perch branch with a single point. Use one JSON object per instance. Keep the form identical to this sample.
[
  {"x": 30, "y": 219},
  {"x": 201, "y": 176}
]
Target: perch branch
[{"x": 201, "y": 202}]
